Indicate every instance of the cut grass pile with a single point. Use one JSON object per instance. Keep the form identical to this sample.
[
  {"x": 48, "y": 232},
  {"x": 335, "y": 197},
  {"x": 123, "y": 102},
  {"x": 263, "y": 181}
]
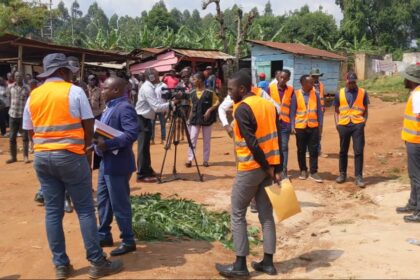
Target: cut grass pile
[{"x": 157, "y": 218}]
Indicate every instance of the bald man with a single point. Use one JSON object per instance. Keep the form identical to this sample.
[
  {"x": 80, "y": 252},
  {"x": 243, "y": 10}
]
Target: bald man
[{"x": 116, "y": 167}]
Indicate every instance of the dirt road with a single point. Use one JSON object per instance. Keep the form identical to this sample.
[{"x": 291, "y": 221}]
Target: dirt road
[{"x": 343, "y": 232}]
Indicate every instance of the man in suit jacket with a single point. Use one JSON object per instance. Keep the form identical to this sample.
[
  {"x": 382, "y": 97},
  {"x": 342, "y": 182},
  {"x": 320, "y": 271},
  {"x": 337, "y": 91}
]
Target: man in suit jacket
[{"x": 116, "y": 167}]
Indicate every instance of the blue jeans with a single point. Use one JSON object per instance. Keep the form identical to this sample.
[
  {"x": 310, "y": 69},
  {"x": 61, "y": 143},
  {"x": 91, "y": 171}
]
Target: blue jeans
[
  {"x": 113, "y": 198},
  {"x": 58, "y": 172},
  {"x": 162, "y": 121},
  {"x": 285, "y": 135}
]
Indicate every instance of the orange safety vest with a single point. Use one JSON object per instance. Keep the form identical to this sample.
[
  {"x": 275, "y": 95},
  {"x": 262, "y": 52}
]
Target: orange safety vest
[
  {"x": 284, "y": 103},
  {"x": 321, "y": 95},
  {"x": 411, "y": 125},
  {"x": 306, "y": 116},
  {"x": 54, "y": 126},
  {"x": 355, "y": 114},
  {"x": 257, "y": 91},
  {"x": 266, "y": 135}
]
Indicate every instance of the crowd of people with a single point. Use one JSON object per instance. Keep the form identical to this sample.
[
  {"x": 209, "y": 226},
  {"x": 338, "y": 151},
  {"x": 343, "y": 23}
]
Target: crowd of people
[{"x": 56, "y": 113}]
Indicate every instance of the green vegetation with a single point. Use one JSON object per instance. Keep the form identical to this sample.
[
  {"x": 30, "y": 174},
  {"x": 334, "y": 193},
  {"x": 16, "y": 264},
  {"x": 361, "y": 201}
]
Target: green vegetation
[
  {"x": 387, "y": 88},
  {"x": 155, "y": 218},
  {"x": 370, "y": 25}
]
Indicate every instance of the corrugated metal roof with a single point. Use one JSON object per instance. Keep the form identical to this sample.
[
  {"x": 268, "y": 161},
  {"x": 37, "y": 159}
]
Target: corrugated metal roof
[
  {"x": 299, "y": 49},
  {"x": 36, "y": 50},
  {"x": 196, "y": 53},
  {"x": 210, "y": 54}
]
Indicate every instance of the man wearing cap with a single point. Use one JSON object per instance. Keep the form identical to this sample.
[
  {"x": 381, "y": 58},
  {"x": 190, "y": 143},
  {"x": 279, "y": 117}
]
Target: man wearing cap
[
  {"x": 411, "y": 136},
  {"x": 319, "y": 89},
  {"x": 59, "y": 117},
  {"x": 351, "y": 113},
  {"x": 263, "y": 84}
]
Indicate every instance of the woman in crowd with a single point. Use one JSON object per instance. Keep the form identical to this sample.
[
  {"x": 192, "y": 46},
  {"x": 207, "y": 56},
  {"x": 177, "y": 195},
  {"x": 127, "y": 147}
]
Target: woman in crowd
[{"x": 203, "y": 114}]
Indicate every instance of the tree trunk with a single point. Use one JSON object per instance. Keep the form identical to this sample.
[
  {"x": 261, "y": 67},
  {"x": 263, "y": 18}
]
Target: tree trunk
[
  {"x": 242, "y": 33},
  {"x": 220, "y": 19}
]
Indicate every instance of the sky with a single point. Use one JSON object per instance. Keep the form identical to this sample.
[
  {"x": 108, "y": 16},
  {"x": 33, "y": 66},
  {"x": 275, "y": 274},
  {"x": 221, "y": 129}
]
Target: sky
[{"x": 134, "y": 8}]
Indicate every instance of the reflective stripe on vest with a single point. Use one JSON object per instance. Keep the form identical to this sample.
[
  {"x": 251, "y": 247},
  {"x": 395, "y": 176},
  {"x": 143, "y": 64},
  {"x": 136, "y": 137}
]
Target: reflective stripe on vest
[
  {"x": 284, "y": 103},
  {"x": 355, "y": 113},
  {"x": 411, "y": 126},
  {"x": 57, "y": 127},
  {"x": 54, "y": 126},
  {"x": 266, "y": 134},
  {"x": 306, "y": 115},
  {"x": 260, "y": 139}
]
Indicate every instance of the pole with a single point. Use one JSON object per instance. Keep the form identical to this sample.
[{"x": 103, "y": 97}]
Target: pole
[
  {"x": 82, "y": 67},
  {"x": 20, "y": 59}
]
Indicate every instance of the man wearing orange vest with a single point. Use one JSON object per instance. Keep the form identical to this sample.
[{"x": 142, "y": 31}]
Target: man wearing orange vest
[
  {"x": 411, "y": 136},
  {"x": 60, "y": 120},
  {"x": 351, "y": 113},
  {"x": 258, "y": 164},
  {"x": 320, "y": 90},
  {"x": 282, "y": 94},
  {"x": 306, "y": 120}
]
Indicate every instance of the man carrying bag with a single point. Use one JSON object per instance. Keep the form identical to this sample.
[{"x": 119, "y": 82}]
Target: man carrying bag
[{"x": 258, "y": 156}]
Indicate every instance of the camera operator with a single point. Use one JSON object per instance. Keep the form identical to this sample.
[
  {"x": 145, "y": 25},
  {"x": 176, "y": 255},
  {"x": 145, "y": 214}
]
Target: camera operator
[{"x": 147, "y": 106}]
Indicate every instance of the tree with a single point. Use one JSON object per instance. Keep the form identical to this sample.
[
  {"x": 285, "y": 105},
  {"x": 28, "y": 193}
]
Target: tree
[
  {"x": 220, "y": 19},
  {"x": 113, "y": 22},
  {"x": 268, "y": 11},
  {"x": 388, "y": 23},
  {"x": 160, "y": 17},
  {"x": 23, "y": 18},
  {"x": 75, "y": 13},
  {"x": 305, "y": 27}
]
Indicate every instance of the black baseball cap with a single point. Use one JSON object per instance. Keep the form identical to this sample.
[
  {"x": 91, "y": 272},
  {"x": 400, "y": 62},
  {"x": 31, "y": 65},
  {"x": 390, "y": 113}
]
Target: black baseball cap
[{"x": 351, "y": 77}]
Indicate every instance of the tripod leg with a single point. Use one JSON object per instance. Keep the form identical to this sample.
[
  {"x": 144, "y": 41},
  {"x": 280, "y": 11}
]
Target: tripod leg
[
  {"x": 190, "y": 144},
  {"x": 167, "y": 146}
]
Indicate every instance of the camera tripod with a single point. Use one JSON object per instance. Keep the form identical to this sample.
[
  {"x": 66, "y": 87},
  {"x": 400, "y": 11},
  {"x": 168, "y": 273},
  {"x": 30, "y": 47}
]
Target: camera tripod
[{"x": 174, "y": 135}]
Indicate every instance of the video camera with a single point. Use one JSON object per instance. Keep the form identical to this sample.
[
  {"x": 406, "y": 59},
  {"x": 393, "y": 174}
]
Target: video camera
[{"x": 177, "y": 93}]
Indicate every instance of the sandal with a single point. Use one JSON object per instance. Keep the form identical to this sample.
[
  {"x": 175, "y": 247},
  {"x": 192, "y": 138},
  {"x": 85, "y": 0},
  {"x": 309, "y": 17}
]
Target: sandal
[{"x": 188, "y": 164}]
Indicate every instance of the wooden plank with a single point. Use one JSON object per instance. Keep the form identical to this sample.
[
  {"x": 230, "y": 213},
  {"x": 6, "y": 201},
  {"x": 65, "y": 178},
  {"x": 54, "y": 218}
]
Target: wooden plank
[
  {"x": 9, "y": 59},
  {"x": 82, "y": 67},
  {"x": 20, "y": 59}
]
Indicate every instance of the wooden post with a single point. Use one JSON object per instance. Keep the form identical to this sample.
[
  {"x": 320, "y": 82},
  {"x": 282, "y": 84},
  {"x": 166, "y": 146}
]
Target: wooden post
[
  {"x": 20, "y": 59},
  {"x": 82, "y": 67}
]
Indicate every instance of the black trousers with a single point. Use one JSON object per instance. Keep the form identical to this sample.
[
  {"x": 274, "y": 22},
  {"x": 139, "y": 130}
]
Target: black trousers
[
  {"x": 15, "y": 127},
  {"x": 307, "y": 138},
  {"x": 357, "y": 133},
  {"x": 4, "y": 119},
  {"x": 144, "y": 163}
]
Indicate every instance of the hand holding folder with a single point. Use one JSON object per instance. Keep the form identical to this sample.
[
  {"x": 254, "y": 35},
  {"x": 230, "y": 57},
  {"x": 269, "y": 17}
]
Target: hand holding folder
[{"x": 283, "y": 199}]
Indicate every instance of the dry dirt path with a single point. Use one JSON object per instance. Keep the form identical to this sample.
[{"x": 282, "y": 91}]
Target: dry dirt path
[{"x": 342, "y": 232}]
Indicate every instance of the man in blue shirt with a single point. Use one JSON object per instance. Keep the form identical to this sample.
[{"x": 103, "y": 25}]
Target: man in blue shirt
[
  {"x": 351, "y": 113},
  {"x": 262, "y": 82},
  {"x": 116, "y": 168}
]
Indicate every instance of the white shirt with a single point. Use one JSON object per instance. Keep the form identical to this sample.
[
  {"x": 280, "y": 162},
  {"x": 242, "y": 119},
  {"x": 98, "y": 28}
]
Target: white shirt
[
  {"x": 227, "y": 104},
  {"x": 78, "y": 102},
  {"x": 158, "y": 91},
  {"x": 416, "y": 100},
  {"x": 148, "y": 103}
]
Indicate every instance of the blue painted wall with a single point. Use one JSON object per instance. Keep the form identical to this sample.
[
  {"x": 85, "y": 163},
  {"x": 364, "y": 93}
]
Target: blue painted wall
[{"x": 261, "y": 58}]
